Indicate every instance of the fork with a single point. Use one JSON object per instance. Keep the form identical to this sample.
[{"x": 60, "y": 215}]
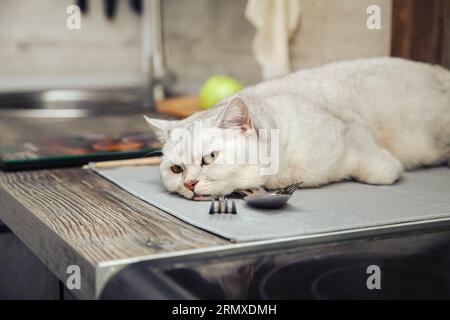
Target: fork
[
  {"x": 290, "y": 189},
  {"x": 222, "y": 206}
]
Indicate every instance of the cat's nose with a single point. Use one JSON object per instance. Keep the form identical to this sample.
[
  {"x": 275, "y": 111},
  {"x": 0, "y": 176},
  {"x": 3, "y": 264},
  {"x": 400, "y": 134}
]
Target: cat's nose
[{"x": 190, "y": 184}]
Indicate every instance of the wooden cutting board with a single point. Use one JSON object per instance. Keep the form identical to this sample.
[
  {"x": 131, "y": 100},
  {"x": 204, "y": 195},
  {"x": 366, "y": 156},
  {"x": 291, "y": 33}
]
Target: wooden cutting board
[{"x": 182, "y": 106}]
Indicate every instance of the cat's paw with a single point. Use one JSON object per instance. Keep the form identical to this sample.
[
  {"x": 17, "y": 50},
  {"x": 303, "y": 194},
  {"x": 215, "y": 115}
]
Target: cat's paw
[
  {"x": 202, "y": 198},
  {"x": 383, "y": 169}
]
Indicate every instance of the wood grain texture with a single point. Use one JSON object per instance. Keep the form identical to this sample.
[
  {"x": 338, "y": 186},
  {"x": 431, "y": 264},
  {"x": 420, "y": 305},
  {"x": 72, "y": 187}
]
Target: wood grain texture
[
  {"x": 420, "y": 30},
  {"x": 73, "y": 216},
  {"x": 182, "y": 106}
]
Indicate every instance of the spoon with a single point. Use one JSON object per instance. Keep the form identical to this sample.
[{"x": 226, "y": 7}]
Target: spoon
[{"x": 272, "y": 200}]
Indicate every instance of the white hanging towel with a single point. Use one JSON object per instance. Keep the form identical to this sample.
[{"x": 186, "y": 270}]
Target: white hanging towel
[{"x": 275, "y": 22}]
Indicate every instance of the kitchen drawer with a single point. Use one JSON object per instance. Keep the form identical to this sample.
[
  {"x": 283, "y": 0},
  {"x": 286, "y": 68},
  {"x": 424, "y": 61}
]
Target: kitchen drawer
[{"x": 22, "y": 274}]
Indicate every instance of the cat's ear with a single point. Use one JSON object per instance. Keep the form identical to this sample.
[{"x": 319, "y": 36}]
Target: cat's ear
[
  {"x": 160, "y": 127},
  {"x": 236, "y": 116}
]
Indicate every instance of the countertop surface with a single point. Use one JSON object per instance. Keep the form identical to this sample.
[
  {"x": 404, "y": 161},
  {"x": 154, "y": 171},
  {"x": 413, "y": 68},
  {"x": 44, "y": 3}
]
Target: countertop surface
[{"x": 74, "y": 217}]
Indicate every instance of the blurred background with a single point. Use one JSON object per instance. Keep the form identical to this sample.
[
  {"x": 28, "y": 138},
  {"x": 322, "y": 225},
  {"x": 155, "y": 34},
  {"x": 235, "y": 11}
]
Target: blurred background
[
  {"x": 201, "y": 38},
  {"x": 110, "y": 61}
]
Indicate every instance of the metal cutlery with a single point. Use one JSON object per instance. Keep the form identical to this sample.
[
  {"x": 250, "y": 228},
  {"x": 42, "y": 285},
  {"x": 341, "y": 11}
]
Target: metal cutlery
[
  {"x": 110, "y": 7},
  {"x": 270, "y": 200},
  {"x": 222, "y": 206},
  {"x": 273, "y": 200},
  {"x": 290, "y": 189}
]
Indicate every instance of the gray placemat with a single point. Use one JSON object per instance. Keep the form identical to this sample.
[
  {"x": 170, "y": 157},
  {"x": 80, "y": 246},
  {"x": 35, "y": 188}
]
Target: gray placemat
[{"x": 420, "y": 195}]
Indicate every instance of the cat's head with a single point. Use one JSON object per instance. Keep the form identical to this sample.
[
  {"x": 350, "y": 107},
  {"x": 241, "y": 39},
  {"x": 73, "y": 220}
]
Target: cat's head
[{"x": 204, "y": 156}]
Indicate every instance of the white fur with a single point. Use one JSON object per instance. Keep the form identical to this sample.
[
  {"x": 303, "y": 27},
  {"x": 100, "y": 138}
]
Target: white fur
[{"x": 366, "y": 119}]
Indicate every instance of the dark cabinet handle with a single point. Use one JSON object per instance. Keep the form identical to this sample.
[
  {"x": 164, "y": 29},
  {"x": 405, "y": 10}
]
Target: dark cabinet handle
[
  {"x": 136, "y": 6},
  {"x": 110, "y": 7},
  {"x": 83, "y": 4}
]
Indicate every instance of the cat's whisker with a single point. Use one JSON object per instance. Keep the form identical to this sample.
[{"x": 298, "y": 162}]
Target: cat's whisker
[{"x": 152, "y": 153}]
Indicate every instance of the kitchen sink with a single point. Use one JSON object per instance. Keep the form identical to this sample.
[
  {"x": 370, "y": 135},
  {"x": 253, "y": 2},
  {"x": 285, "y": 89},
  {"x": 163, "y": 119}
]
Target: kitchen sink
[
  {"x": 74, "y": 103},
  {"x": 402, "y": 266},
  {"x": 345, "y": 276}
]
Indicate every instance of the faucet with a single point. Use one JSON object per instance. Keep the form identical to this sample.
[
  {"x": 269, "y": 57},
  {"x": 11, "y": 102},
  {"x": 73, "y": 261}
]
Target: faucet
[{"x": 157, "y": 76}]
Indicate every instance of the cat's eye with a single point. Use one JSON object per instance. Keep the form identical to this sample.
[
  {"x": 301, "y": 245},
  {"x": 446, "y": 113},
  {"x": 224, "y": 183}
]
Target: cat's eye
[
  {"x": 208, "y": 159},
  {"x": 176, "y": 169}
]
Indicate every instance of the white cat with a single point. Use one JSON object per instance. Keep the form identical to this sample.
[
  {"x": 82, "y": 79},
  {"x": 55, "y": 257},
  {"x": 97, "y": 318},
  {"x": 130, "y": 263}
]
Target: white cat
[{"x": 365, "y": 119}]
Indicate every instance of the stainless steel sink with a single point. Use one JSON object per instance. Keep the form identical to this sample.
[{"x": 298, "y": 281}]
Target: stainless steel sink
[{"x": 74, "y": 103}]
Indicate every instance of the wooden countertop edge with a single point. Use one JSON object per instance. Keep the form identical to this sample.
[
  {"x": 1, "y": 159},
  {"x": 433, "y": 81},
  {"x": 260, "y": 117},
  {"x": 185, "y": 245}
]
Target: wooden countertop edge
[
  {"x": 45, "y": 242},
  {"x": 31, "y": 233},
  {"x": 57, "y": 252}
]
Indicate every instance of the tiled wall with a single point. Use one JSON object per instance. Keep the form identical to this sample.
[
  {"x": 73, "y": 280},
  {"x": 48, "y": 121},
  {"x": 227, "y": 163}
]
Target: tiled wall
[
  {"x": 203, "y": 37},
  {"x": 36, "y": 48}
]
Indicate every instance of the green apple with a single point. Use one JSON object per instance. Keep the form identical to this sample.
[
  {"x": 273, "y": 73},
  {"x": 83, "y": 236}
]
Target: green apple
[{"x": 216, "y": 88}]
